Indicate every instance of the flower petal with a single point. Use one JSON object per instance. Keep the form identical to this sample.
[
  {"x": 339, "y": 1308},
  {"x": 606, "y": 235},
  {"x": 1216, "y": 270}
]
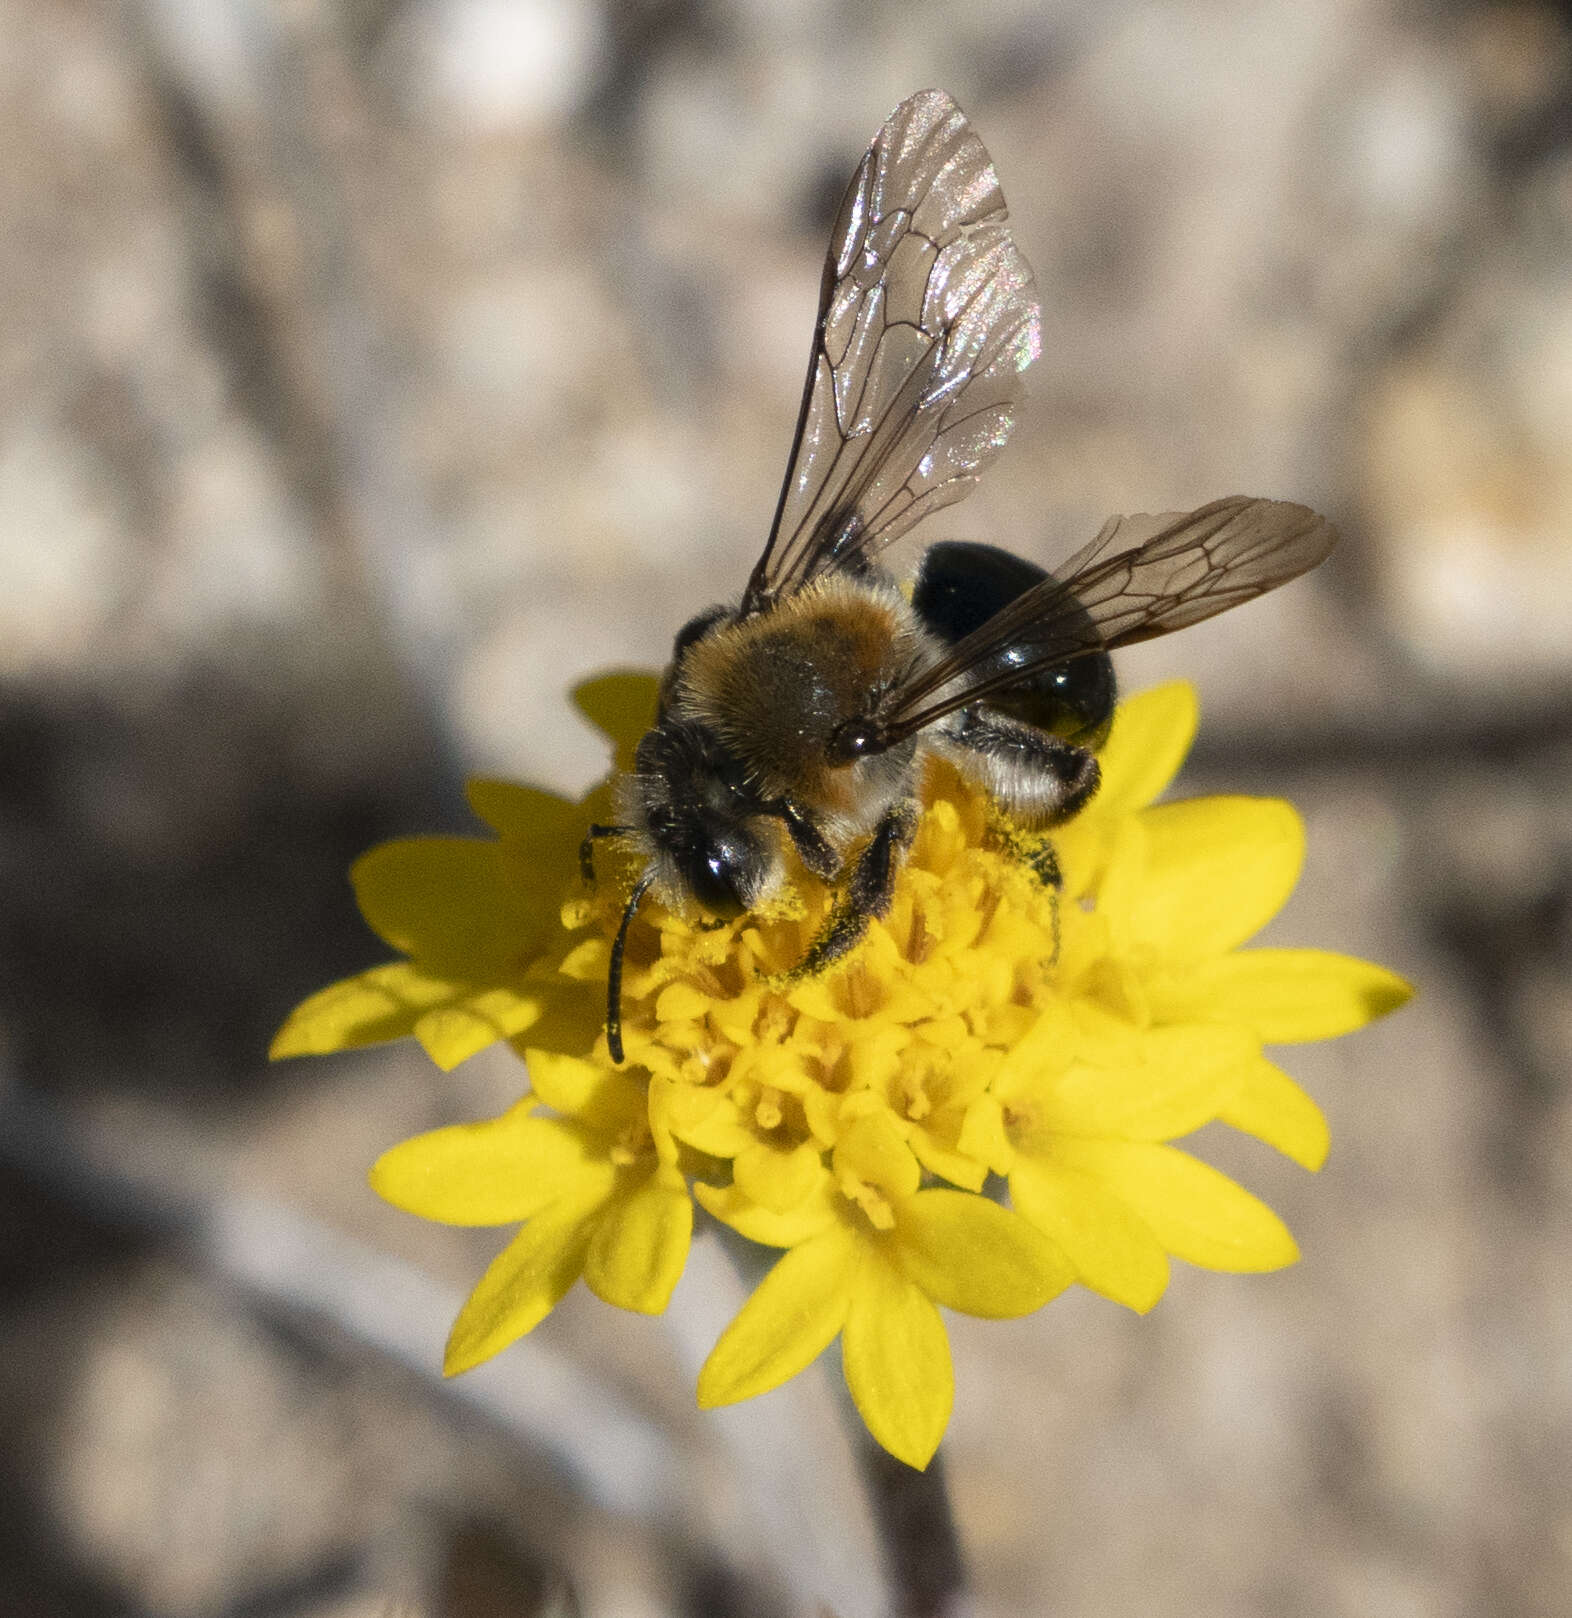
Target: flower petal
[
  {"x": 448, "y": 902},
  {"x": 1270, "y": 1106},
  {"x": 794, "y": 1314},
  {"x": 1216, "y": 870},
  {"x": 620, "y": 706},
  {"x": 1147, "y": 746},
  {"x": 525, "y": 1282},
  {"x": 453, "y": 1033},
  {"x": 1155, "y": 1084},
  {"x": 1113, "y": 1250},
  {"x": 1151, "y": 735},
  {"x": 1047, "y": 1048},
  {"x": 897, "y": 1361},
  {"x": 874, "y": 1149},
  {"x": 734, "y": 1207},
  {"x": 1196, "y": 1213},
  {"x": 606, "y": 1099},
  {"x": 490, "y": 1173},
  {"x": 1285, "y": 995},
  {"x": 972, "y": 1255},
  {"x": 641, "y": 1245},
  {"x": 525, "y": 814},
  {"x": 779, "y": 1180},
  {"x": 384, "y": 1003}
]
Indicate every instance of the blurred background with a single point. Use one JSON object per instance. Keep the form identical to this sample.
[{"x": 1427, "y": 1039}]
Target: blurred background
[{"x": 370, "y": 371}]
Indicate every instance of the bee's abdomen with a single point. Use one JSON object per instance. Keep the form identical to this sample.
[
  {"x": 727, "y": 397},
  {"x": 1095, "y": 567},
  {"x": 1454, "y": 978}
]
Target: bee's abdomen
[{"x": 960, "y": 586}]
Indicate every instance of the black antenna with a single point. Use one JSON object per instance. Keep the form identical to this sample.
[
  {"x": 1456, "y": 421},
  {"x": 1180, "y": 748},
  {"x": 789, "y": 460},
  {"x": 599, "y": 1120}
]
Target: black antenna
[{"x": 614, "y": 976}]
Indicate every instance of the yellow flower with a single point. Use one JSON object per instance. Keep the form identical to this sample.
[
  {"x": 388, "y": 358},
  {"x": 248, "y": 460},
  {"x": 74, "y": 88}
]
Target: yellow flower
[{"x": 1058, "y": 1041}]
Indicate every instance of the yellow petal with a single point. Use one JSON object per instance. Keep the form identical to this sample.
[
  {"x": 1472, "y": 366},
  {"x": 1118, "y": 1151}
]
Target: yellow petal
[
  {"x": 571, "y": 1017},
  {"x": 792, "y": 1317},
  {"x": 949, "y": 1163},
  {"x": 1284, "y": 995},
  {"x": 1155, "y": 1084},
  {"x": 1196, "y": 1213},
  {"x": 733, "y": 1206},
  {"x": 1216, "y": 870},
  {"x": 525, "y": 814},
  {"x": 984, "y": 1137},
  {"x": 1048, "y": 1049},
  {"x": 972, "y": 1255},
  {"x": 1114, "y": 1252},
  {"x": 704, "y": 1119},
  {"x": 897, "y": 1362},
  {"x": 779, "y": 1180},
  {"x": 384, "y": 1003},
  {"x": 525, "y": 1282},
  {"x": 1151, "y": 737},
  {"x": 605, "y": 1098},
  {"x": 641, "y": 1245},
  {"x": 490, "y": 1173},
  {"x": 1270, "y": 1106},
  {"x": 874, "y": 1149},
  {"x": 621, "y": 706},
  {"x": 682, "y": 1001},
  {"x": 447, "y": 902},
  {"x": 450, "y": 1034}
]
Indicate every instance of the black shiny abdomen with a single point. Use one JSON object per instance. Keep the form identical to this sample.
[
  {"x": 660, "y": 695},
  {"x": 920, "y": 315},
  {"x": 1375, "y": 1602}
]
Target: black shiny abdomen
[{"x": 960, "y": 586}]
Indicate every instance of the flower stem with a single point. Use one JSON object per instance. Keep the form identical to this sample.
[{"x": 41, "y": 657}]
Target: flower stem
[{"x": 922, "y": 1551}]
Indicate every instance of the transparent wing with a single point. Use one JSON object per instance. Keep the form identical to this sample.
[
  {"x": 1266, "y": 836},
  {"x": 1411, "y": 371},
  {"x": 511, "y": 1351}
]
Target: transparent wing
[
  {"x": 1192, "y": 566},
  {"x": 927, "y": 317}
]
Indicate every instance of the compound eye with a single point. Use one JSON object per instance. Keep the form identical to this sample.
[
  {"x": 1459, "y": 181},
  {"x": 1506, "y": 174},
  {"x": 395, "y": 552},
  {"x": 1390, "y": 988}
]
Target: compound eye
[{"x": 695, "y": 630}]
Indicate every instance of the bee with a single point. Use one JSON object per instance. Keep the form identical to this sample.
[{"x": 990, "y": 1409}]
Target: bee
[{"x": 800, "y": 718}]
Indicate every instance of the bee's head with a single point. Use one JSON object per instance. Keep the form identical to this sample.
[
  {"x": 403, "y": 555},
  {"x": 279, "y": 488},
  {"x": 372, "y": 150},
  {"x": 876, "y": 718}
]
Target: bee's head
[
  {"x": 701, "y": 821},
  {"x": 689, "y": 809}
]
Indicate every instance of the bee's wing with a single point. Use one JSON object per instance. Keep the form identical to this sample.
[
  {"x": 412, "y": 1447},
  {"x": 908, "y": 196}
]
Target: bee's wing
[
  {"x": 927, "y": 316},
  {"x": 1192, "y": 566}
]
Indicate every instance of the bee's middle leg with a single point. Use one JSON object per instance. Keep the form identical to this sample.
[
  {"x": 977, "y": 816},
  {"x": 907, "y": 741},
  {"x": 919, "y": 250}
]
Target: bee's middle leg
[{"x": 868, "y": 891}]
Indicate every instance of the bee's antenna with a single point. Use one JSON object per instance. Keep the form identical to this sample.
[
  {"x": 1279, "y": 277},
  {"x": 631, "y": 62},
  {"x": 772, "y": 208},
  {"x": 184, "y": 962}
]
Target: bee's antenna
[{"x": 614, "y": 975}]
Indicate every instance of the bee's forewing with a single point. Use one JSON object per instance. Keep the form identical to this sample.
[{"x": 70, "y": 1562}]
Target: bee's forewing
[{"x": 927, "y": 317}]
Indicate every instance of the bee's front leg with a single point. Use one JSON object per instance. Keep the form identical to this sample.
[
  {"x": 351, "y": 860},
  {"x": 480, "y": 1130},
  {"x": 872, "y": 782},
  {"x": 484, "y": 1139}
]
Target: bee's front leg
[
  {"x": 587, "y": 849},
  {"x": 813, "y": 849},
  {"x": 868, "y": 891}
]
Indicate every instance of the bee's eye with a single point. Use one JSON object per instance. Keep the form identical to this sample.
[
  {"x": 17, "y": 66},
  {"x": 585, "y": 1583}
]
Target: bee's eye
[{"x": 695, "y": 630}]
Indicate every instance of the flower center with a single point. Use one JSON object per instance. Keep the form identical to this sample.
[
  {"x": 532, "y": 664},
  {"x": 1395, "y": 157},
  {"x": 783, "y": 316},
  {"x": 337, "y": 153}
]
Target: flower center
[
  {"x": 874, "y": 1204},
  {"x": 633, "y": 1143}
]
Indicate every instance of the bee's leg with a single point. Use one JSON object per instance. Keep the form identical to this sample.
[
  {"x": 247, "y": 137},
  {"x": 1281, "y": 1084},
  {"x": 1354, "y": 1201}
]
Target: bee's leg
[
  {"x": 1032, "y": 776},
  {"x": 1039, "y": 856},
  {"x": 868, "y": 891},
  {"x": 1035, "y": 777},
  {"x": 587, "y": 849},
  {"x": 810, "y": 843}
]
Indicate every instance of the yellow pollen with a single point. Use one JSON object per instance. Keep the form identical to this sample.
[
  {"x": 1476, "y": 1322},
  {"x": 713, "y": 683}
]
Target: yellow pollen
[
  {"x": 631, "y": 1144},
  {"x": 775, "y": 1022},
  {"x": 861, "y": 992},
  {"x": 767, "y": 1114},
  {"x": 874, "y": 1204}
]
